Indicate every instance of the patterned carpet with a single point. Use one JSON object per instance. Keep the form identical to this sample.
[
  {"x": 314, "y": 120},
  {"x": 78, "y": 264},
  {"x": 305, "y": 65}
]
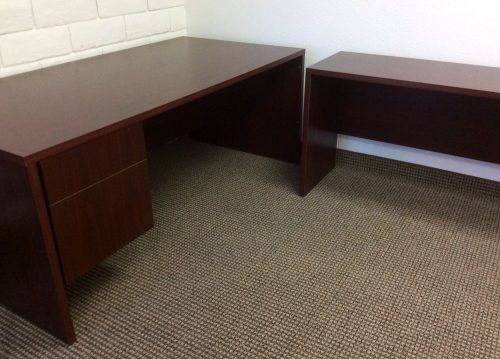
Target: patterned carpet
[{"x": 381, "y": 260}]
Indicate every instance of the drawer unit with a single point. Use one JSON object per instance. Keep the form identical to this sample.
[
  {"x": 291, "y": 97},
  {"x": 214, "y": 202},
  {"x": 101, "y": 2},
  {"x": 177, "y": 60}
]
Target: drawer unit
[
  {"x": 74, "y": 170},
  {"x": 92, "y": 224},
  {"x": 98, "y": 198}
]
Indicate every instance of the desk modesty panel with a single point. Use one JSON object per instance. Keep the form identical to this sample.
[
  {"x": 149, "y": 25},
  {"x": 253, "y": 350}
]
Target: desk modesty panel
[
  {"x": 74, "y": 184},
  {"x": 437, "y": 106}
]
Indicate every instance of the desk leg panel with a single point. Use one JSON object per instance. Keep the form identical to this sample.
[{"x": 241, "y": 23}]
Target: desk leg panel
[
  {"x": 31, "y": 283},
  {"x": 318, "y": 135},
  {"x": 260, "y": 115}
]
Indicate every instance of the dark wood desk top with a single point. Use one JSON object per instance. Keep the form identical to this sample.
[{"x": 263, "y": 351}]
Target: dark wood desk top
[
  {"x": 47, "y": 111},
  {"x": 422, "y": 74}
]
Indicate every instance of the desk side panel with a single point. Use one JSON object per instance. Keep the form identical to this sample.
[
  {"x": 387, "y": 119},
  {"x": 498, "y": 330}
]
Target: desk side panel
[{"x": 31, "y": 283}]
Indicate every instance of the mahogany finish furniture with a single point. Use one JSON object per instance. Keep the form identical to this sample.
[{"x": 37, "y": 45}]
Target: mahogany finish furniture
[
  {"x": 73, "y": 161},
  {"x": 437, "y": 106}
]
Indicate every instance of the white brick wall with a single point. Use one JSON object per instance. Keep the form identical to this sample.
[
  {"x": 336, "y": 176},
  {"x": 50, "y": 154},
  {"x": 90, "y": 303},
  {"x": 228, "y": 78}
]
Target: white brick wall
[
  {"x": 41, "y": 33},
  {"x": 97, "y": 33},
  {"x": 160, "y": 4},
  {"x": 178, "y": 18},
  {"x": 29, "y": 46},
  {"x": 148, "y": 23},
  {"x": 15, "y": 16},
  {"x": 121, "y": 7},
  {"x": 60, "y": 12}
]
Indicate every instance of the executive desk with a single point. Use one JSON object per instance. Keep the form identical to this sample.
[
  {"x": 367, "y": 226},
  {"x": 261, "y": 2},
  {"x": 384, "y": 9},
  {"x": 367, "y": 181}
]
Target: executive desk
[
  {"x": 437, "y": 106},
  {"x": 73, "y": 151}
]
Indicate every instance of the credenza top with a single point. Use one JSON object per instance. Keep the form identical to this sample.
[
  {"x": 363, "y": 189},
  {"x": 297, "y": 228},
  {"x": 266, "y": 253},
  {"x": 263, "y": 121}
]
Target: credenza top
[
  {"x": 44, "y": 111},
  {"x": 449, "y": 77}
]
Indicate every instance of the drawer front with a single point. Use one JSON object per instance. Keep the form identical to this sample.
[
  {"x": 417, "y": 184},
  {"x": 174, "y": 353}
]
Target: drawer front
[
  {"x": 94, "y": 223},
  {"x": 78, "y": 168}
]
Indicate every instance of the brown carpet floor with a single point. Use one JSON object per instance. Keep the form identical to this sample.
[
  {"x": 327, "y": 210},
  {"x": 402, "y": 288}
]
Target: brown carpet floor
[{"x": 381, "y": 260}]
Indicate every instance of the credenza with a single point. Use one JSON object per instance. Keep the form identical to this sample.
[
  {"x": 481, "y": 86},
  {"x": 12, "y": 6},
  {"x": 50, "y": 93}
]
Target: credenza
[{"x": 437, "y": 106}]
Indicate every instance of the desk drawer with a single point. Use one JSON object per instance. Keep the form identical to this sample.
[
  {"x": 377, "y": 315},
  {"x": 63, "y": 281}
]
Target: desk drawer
[
  {"x": 94, "y": 223},
  {"x": 80, "y": 167}
]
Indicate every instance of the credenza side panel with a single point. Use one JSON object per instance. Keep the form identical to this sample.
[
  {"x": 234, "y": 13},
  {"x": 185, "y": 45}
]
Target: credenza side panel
[
  {"x": 31, "y": 283},
  {"x": 319, "y": 140}
]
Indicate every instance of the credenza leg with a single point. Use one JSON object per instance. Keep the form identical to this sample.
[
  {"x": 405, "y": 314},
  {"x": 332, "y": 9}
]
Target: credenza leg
[
  {"x": 319, "y": 141},
  {"x": 31, "y": 282}
]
